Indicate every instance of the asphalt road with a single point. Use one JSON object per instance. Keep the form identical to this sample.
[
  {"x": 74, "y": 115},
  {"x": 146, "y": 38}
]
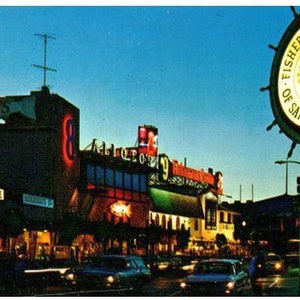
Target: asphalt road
[{"x": 286, "y": 284}]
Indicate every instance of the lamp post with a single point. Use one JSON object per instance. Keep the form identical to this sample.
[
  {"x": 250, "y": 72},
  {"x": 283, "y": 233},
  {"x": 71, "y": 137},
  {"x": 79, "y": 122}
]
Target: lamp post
[{"x": 286, "y": 162}]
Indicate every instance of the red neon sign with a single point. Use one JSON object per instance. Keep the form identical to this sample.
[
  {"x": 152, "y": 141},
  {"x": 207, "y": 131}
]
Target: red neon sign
[{"x": 68, "y": 139}]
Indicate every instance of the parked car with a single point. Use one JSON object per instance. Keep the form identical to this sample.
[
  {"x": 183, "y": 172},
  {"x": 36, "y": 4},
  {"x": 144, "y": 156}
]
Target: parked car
[
  {"x": 172, "y": 260},
  {"x": 185, "y": 264},
  {"x": 24, "y": 277},
  {"x": 274, "y": 264},
  {"x": 113, "y": 272},
  {"x": 215, "y": 277},
  {"x": 66, "y": 269},
  {"x": 156, "y": 263}
]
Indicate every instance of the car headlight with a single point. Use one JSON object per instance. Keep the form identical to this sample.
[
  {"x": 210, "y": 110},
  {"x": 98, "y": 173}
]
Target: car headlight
[
  {"x": 70, "y": 276},
  {"x": 183, "y": 285},
  {"x": 230, "y": 285},
  {"x": 278, "y": 266},
  {"x": 110, "y": 279}
]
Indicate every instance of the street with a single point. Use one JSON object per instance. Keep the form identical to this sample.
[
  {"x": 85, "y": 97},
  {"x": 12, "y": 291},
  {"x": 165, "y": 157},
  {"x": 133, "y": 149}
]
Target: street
[
  {"x": 282, "y": 285},
  {"x": 168, "y": 285},
  {"x": 273, "y": 285}
]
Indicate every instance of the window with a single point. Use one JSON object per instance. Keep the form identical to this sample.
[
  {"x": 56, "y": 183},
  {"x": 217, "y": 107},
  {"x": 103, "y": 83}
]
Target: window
[
  {"x": 196, "y": 225},
  {"x": 101, "y": 175},
  {"x": 222, "y": 217},
  {"x": 170, "y": 225},
  {"x": 211, "y": 214},
  {"x": 238, "y": 268},
  {"x": 229, "y": 218},
  {"x": 163, "y": 222},
  {"x": 157, "y": 220},
  {"x": 177, "y": 223}
]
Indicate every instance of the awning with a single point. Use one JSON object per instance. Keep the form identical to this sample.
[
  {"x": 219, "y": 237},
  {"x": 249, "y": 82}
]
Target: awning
[{"x": 175, "y": 204}]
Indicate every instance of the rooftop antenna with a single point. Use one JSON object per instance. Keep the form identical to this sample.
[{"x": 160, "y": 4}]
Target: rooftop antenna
[{"x": 44, "y": 67}]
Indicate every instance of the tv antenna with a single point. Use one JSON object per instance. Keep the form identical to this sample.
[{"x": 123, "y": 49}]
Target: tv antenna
[{"x": 44, "y": 67}]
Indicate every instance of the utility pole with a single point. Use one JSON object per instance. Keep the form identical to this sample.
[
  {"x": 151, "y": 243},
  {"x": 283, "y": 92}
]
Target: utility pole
[
  {"x": 44, "y": 67},
  {"x": 286, "y": 162}
]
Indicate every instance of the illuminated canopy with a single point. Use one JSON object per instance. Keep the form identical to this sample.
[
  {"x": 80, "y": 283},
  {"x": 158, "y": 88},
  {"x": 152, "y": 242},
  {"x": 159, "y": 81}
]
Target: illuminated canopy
[{"x": 175, "y": 204}]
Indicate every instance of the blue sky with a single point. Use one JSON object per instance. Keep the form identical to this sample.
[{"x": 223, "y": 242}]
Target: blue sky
[{"x": 194, "y": 72}]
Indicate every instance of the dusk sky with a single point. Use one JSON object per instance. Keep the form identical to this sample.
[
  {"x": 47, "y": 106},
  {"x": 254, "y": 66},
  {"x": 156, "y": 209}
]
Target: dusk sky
[{"x": 194, "y": 72}]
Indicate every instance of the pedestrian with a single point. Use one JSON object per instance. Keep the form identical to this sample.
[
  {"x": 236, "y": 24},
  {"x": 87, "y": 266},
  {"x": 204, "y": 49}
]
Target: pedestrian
[{"x": 257, "y": 271}]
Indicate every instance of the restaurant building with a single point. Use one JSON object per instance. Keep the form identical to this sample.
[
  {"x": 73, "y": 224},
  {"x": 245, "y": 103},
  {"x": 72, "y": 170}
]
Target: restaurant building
[{"x": 129, "y": 199}]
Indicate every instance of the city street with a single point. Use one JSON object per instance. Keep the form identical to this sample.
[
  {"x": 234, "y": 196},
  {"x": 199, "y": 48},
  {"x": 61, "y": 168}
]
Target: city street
[
  {"x": 282, "y": 285},
  {"x": 168, "y": 285},
  {"x": 273, "y": 285}
]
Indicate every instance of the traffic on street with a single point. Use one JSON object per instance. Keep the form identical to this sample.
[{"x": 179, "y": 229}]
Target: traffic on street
[{"x": 103, "y": 277}]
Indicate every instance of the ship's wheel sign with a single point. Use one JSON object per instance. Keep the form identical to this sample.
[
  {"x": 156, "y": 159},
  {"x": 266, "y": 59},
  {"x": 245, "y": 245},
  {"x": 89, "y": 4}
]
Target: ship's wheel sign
[{"x": 285, "y": 83}]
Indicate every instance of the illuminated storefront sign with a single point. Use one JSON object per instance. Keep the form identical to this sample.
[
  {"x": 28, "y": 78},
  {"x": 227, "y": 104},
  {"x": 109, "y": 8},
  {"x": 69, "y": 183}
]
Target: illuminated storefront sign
[
  {"x": 145, "y": 153},
  {"x": 167, "y": 169},
  {"x": 38, "y": 201},
  {"x": 179, "y": 169},
  {"x": 285, "y": 82},
  {"x": 121, "y": 209},
  {"x": 163, "y": 167},
  {"x": 130, "y": 154},
  {"x": 219, "y": 182},
  {"x": 148, "y": 140},
  {"x": 125, "y": 153},
  {"x": 68, "y": 139}
]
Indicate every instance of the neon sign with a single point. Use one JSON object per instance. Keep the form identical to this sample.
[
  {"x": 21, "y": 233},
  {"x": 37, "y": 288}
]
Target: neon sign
[
  {"x": 167, "y": 169},
  {"x": 196, "y": 175},
  {"x": 68, "y": 139},
  {"x": 147, "y": 140},
  {"x": 121, "y": 209},
  {"x": 163, "y": 167}
]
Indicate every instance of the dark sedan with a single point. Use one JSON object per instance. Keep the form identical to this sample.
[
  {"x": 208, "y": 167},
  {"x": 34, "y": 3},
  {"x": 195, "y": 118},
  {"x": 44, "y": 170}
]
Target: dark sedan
[
  {"x": 215, "y": 277},
  {"x": 113, "y": 272},
  {"x": 66, "y": 269},
  {"x": 24, "y": 277}
]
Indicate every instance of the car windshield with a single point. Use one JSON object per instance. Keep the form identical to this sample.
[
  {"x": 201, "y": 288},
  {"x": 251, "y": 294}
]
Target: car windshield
[
  {"x": 62, "y": 264},
  {"x": 214, "y": 268},
  {"x": 272, "y": 258},
  {"x": 109, "y": 262}
]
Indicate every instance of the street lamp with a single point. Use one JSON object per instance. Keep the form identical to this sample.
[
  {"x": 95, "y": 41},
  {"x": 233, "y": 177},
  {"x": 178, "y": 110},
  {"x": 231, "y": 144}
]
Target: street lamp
[{"x": 286, "y": 162}]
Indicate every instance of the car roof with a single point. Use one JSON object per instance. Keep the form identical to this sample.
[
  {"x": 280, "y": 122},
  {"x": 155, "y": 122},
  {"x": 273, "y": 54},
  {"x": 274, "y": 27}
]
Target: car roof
[
  {"x": 224, "y": 260},
  {"x": 271, "y": 254}
]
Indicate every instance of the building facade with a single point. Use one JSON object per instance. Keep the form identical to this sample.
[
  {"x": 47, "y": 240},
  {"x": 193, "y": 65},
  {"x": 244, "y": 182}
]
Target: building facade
[
  {"x": 39, "y": 164},
  {"x": 71, "y": 202}
]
